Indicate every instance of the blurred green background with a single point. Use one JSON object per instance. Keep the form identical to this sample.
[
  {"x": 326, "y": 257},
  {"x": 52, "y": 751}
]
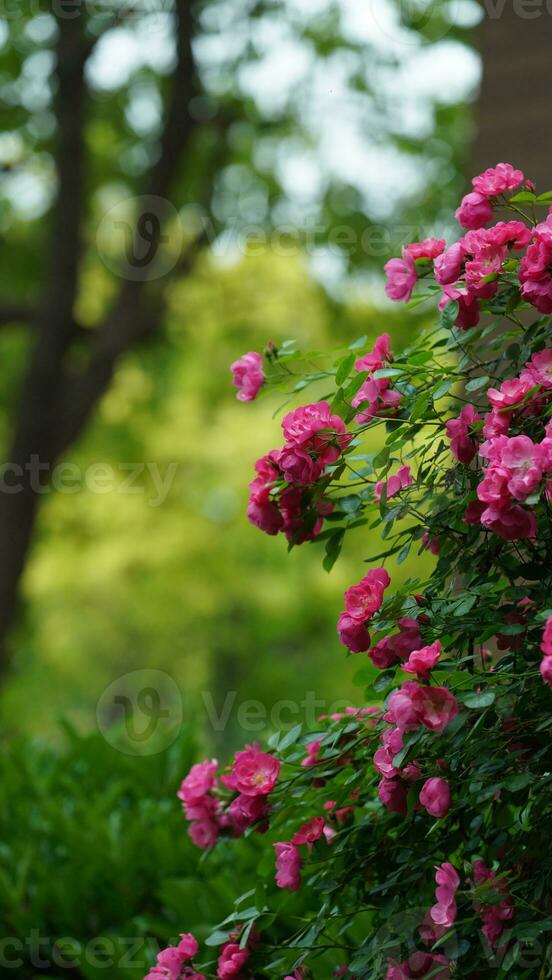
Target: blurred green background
[{"x": 323, "y": 139}]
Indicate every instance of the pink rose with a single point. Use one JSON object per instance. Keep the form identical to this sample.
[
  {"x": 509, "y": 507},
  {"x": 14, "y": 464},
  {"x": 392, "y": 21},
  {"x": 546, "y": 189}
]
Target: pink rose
[
  {"x": 248, "y": 376},
  {"x": 379, "y": 356},
  {"x": 402, "y": 709},
  {"x": 310, "y": 832},
  {"x": 353, "y": 634},
  {"x": 437, "y": 707},
  {"x": 546, "y": 670},
  {"x": 475, "y": 211},
  {"x": 245, "y": 811},
  {"x": 430, "y": 248},
  {"x": 364, "y": 599},
  {"x": 288, "y": 866},
  {"x": 443, "y": 913},
  {"x": 313, "y": 748},
  {"x": 397, "y": 482},
  {"x": 204, "y": 833},
  {"x": 435, "y": 797},
  {"x": 449, "y": 265},
  {"x": 231, "y": 961},
  {"x": 464, "y": 442},
  {"x": 539, "y": 369},
  {"x": 254, "y": 773},
  {"x": 498, "y": 180},
  {"x": 199, "y": 781},
  {"x": 413, "y": 705},
  {"x": 546, "y": 645},
  {"x": 422, "y": 661},
  {"x": 393, "y": 793},
  {"x": 401, "y": 277}
]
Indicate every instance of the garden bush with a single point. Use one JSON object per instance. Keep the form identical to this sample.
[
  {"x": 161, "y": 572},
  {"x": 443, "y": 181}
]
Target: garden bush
[{"x": 416, "y": 821}]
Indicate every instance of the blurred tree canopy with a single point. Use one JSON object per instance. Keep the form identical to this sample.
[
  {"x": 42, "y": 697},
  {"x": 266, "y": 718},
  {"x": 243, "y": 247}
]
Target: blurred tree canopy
[{"x": 142, "y": 150}]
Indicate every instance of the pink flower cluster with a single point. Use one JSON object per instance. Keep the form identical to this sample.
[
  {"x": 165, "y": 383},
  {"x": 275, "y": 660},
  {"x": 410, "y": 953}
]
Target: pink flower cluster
[
  {"x": 394, "y": 785},
  {"x": 517, "y": 468},
  {"x": 469, "y": 271},
  {"x": 494, "y": 916},
  {"x": 288, "y": 857},
  {"x": 413, "y": 705},
  {"x": 253, "y": 777},
  {"x": 398, "y": 646},
  {"x": 233, "y": 956},
  {"x": 443, "y": 912},
  {"x": 546, "y": 647},
  {"x": 284, "y": 496},
  {"x": 536, "y": 268},
  {"x": 463, "y": 441},
  {"x": 171, "y": 962},
  {"x": 476, "y": 210},
  {"x": 376, "y": 396},
  {"x": 361, "y": 602},
  {"x": 248, "y": 376},
  {"x": 397, "y": 481},
  {"x": 403, "y": 273}
]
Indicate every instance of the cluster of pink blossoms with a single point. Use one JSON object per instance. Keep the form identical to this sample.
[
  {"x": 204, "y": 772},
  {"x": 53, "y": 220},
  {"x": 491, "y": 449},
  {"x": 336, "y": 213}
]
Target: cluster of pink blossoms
[
  {"x": 248, "y": 376},
  {"x": 173, "y": 962},
  {"x": 284, "y": 495},
  {"x": 253, "y": 777},
  {"x": 442, "y": 915},
  {"x": 288, "y": 857},
  {"x": 469, "y": 271},
  {"x": 361, "y": 602},
  {"x": 517, "y": 468},
  {"x": 376, "y": 396},
  {"x": 233, "y": 956},
  {"x": 494, "y": 916},
  {"x": 408, "y": 708}
]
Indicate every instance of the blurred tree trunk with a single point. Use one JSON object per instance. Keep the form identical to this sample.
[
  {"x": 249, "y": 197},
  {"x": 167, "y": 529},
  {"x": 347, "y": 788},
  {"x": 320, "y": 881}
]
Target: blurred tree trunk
[
  {"x": 58, "y": 396},
  {"x": 514, "y": 107}
]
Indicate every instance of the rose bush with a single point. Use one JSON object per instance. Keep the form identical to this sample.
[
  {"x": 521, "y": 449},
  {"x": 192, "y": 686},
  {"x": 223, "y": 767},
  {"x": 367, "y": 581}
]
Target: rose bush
[{"x": 445, "y": 778}]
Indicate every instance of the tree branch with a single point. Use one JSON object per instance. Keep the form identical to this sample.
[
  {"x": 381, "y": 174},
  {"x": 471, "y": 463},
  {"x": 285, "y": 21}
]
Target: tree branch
[
  {"x": 135, "y": 314},
  {"x": 17, "y": 313}
]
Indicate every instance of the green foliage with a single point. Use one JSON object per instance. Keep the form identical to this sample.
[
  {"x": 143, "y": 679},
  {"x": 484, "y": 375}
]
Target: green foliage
[
  {"x": 94, "y": 851},
  {"x": 474, "y": 727}
]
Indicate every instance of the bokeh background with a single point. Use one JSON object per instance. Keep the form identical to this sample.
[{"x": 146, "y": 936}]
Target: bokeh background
[{"x": 181, "y": 182}]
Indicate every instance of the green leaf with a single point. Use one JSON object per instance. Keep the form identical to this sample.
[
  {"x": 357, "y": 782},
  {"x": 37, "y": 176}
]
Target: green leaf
[
  {"x": 450, "y": 313},
  {"x": 344, "y": 369},
  {"x": 290, "y": 737},
  {"x": 483, "y": 699},
  {"x": 476, "y": 383}
]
